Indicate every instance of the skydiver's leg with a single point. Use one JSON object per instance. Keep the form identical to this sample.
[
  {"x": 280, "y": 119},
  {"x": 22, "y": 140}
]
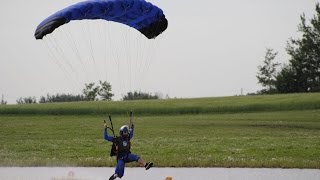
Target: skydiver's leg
[
  {"x": 119, "y": 170},
  {"x": 147, "y": 165},
  {"x": 141, "y": 162},
  {"x": 133, "y": 157},
  {"x": 113, "y": 177}
]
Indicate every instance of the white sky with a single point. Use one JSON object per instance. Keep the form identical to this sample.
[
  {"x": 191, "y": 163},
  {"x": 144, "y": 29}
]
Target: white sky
[{"x": 211, "y": 48}]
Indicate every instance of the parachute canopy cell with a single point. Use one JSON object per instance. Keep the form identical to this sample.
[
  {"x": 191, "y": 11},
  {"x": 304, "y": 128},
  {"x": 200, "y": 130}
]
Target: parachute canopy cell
[{"x": 138, "y": 14}]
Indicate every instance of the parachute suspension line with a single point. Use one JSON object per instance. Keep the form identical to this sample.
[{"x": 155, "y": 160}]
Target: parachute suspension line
[
  {"x": 146, "y": 48},
  {"x": 132, "y": 84},
  {"x": 110, "y": 45},
  {"x": 92, "y": 51},
  {"x": 124, "y": 62},
  {"x": 105, "y": 50},
  {"x": 89, "y": 57},
  {"x": 128, "y": 59},
  {"x": 134, "y": 58},
  {"x": 62, "y": 45},
  {"x": 135, "y": 61},
  {"x": 140, "y": 51},
  {"x": 149, "y": 48},
  {"x": 115, "y": 57},
  {"x": 118, "y": 50},
  {"x": 75, "y": 56},
  {"x": 53, "y": 56},
  {"x": 72, "y": 44},
  {"x": 65, "y": 59},
  {"x": 144, "y": 51},
  {"x": 138, "y": 63},
  {"x": 152, "y": 50},
  {"x": 152, "y": 53},
  {"x": 60, "y": 52}
]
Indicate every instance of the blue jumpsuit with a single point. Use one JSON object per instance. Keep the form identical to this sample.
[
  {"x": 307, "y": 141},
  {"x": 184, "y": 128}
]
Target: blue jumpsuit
[{"x": 122, "y": 158}]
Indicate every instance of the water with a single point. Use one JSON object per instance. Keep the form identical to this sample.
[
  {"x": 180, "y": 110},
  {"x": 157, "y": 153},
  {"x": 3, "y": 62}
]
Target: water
[{"x": 81, "y": 173}]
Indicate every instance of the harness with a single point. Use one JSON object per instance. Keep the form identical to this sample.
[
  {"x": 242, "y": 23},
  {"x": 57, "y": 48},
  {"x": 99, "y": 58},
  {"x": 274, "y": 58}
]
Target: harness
[{"x": 120, "y": 146}]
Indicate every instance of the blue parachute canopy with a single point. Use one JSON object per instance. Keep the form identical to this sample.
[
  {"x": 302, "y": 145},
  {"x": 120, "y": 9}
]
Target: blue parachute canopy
[{"x": 138, "y": 14}]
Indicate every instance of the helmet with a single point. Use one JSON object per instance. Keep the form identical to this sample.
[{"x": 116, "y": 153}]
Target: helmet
[{"x": 124, "y": 130}]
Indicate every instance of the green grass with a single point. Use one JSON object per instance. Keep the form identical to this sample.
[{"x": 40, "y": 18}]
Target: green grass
[
  {"x": 286, "y": 133},
  {"x": 235, "y": 104}
]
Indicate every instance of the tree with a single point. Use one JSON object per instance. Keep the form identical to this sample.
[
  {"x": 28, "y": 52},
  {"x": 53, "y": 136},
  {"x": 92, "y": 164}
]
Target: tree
[
  {"x": 105, "y": 91},
  {"x": 27, "y": 100},
  {"x": 91, "y": 91},
  {"x": 3, "y": 102},
  {"x": 285, "y": 80},
  {"x": 305, "y": 56},
  {"x": 268, "y": 71}
]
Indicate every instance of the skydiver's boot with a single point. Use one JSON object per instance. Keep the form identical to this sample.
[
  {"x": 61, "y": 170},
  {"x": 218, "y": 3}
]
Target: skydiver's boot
[
  {"x": 148, "y": 165},
  {"x": 113, "y": 177}
]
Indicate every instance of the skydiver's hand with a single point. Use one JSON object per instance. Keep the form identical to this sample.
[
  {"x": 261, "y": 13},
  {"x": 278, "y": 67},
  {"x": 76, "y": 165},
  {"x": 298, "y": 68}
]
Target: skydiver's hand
[{"x": 105, "y": 125}]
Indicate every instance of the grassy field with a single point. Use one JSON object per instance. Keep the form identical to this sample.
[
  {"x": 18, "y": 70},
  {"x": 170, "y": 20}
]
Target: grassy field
[
  {"x": 259, "y": 131},
  {"x": 234, "y": 104}
]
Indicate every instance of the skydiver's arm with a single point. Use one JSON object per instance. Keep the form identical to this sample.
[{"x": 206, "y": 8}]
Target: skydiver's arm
[{"x": 106, "y": 136}]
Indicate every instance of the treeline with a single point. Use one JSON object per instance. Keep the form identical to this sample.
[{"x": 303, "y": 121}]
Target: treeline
[
  {"x": 51, "y": 99},
  {"x": 302, "y": 72},
  {"x": 62, "y": 98},
  {"x": 91, "y": 92},
  {"x": 138, "y": 95}
]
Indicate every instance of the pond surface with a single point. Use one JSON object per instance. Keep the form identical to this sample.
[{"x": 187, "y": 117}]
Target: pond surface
[{"x": 80, "y": 173}]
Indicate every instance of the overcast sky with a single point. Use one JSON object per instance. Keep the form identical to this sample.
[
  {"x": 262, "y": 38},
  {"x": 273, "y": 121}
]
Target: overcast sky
[{"x": 211, "y": 48}]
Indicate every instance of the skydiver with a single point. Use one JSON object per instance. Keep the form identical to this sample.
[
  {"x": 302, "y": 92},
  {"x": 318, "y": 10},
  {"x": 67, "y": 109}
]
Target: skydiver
[{"x": 122, "y": 146}]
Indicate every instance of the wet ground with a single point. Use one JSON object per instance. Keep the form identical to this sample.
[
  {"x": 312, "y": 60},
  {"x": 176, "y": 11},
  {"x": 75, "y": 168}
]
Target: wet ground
[{"x": 76, "y": 173}]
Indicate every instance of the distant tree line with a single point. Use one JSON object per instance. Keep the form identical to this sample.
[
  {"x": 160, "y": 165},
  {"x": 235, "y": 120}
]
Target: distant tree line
[
  {"x": 138, "y": 95},
  {"x": 302, "y": 73},
  {"x": 27, "y": 100},
  {"x": 61, "y": 98},
  {"x": 91, "y": 92}
]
